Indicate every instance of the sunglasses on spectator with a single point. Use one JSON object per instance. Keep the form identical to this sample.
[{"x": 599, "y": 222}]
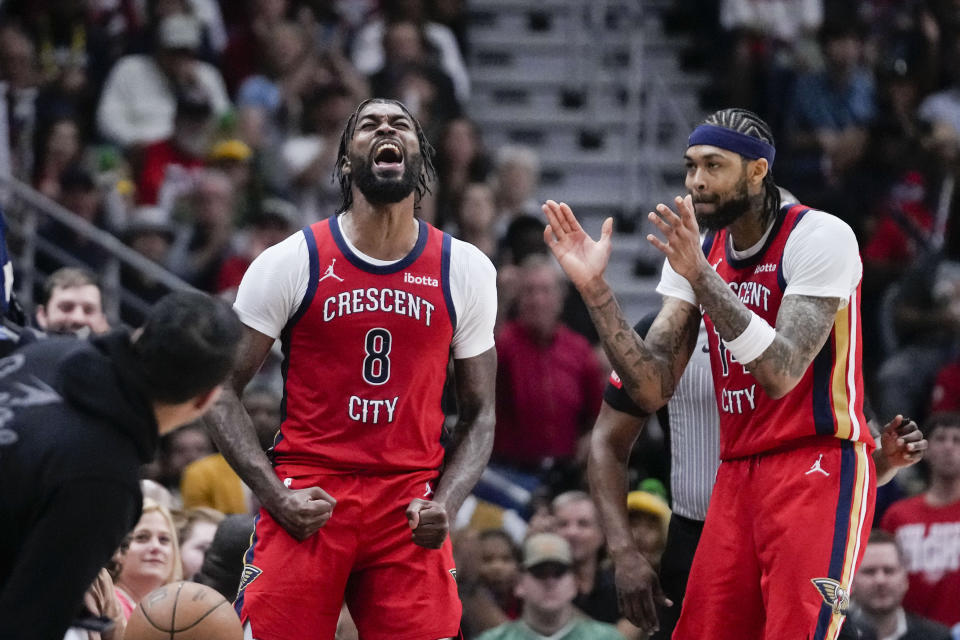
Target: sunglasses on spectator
[{"x": 548, "y": 570}]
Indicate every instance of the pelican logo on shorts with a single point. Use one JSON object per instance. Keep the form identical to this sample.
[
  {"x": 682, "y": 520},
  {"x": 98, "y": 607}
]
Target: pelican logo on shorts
[
  {"x": 453, "y": 572},
  {"x": 250, "y": 573},
  {"x": 833, "y": 594}
]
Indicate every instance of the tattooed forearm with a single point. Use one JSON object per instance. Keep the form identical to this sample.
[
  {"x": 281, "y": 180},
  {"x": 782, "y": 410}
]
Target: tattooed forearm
[
  {"x": 648, "y": 369},
  {"x": 803, "y": 325},
  {"x": 475, "y": 380},
  {"x": 729, "y": 315}
]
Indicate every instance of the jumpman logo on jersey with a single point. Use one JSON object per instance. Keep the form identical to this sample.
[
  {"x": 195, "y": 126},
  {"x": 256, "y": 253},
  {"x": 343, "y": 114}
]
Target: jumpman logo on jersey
[
  {"x": 816, "y": 468},
  {"x": 329, "y": 272},
  {"x": 429, "y": 491}
]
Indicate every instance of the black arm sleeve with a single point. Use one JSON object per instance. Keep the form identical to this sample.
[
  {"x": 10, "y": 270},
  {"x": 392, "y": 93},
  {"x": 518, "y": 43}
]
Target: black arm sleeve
[{"x": 77, "y": 531}]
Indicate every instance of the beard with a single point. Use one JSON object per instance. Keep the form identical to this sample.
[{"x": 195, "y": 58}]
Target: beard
[
  {"x": 727, "y": 211},
  {"x": 380, "y": 190}
]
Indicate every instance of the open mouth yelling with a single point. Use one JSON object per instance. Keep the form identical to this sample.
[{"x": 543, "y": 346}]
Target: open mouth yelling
[{"x": 388, "y": 155}]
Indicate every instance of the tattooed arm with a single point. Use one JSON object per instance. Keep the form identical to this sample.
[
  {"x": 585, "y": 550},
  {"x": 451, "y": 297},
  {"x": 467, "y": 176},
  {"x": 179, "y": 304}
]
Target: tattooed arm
[
  {"x": 649, "y": 369},
  {"x": 803, "y": 322},
  {"x": 302, "y": 511},
  {"x": 475, "y": 382},
  {"x": 803, "y": 326}
]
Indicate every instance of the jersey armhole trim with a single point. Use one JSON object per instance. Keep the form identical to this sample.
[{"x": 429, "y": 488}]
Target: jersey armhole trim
[
  {"x": 445, "y": 278},
  {"x": 311, "y": 282}
]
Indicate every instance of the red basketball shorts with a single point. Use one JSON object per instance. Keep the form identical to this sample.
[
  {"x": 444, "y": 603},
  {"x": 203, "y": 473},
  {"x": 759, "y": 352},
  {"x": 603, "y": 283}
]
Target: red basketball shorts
[
  {"x": 364, "y": 555},
  {"x": 784, "y": 533}
]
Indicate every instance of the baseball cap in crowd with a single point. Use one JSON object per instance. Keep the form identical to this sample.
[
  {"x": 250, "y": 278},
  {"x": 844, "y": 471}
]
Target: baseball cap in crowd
[
  {"x": 179, "y": 31},
  {"x": 231, "y": 149},
  {"x": 150, "y": 219},
  {"x": 648, "y": 503},
  {"x": 546, "y": 548}
]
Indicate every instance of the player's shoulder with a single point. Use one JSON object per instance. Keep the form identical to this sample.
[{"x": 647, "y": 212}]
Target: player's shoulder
[
  {"x": 467, "y": 256},
  {"x": 293, "y": 245},
  {"x": 820, "y": 220}
]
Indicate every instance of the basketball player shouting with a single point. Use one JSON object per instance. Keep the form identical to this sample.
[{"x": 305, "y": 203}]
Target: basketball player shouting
[{"x": 368, "y": 304}]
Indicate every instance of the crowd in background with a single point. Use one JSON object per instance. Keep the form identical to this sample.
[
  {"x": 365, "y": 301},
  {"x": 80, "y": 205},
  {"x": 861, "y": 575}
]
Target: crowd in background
[{"x": 201, "y": 132}]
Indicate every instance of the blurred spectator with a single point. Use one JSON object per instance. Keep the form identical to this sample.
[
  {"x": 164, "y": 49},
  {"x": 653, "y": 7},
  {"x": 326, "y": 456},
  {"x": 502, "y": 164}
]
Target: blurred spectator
[
  {"x": 234, "y": 158},
  {"x": 547, "y": 587},
  {"x": 179, "y": 449},
  {"x": 199, "y": 254},
  {"x": 72, "y": 302},
  {"x": 19, "y": 87},
  {"x": 487, "y": 572},
  {"x": 58, "y": 147},
  {"x": 223, "y": 562},
  {"x": 768, "y": 39},
  {"x": 476, "y": 217},
  {"x": 138, "y": 103},
  {"x": 877, "y": 592},
  {"x": 78, "y": 194},
  {"x": 150, "y": 233},
  {"x": 152, "y": 559},
  {"x": 195, "y": 536},
  {"x": 926, "y": 527},
  {"x": 499, "y": 569},
  {"x": 288, "y": 74},
  {"x": 921, "y": 313},
  {"x": 944, "y": 106},
  {"x": 276, "y": 221},
  {"x": 516, "y": 180},
  {"x": 578, "y": 523},
  {"x": 100, "y": 600},
  {"x": 549, "y": 382},
  {"x": 371, "y": 54},
  {"x": 252, "y": 36},
  {"x": 829, "y": 115},
  {"x": 649, "y": 518},
  {"x": 169, "y": 166},
  {"x": 305, "y": 159},
  {"x": 74, "y": 37},
  {"x": 461, "y": 160},
  {"x": 410, "y": 76}
]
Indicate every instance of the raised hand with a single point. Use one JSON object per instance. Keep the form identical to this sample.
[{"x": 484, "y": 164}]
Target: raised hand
[
  {"x": 301, "y": 512},
  {"x": 681, "y": 243},
  {"x": 429, "y": 522},
  {"x": 582, "y": 258}
]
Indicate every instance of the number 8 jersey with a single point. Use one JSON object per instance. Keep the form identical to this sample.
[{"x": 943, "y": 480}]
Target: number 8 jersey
[{"x": 366, "y": 344}]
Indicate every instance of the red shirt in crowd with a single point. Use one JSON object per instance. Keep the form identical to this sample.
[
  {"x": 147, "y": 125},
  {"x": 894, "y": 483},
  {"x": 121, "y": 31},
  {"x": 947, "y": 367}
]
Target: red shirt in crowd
[
  {"x": 547, "y": 395},
  {"x": 930, "y": 539}
]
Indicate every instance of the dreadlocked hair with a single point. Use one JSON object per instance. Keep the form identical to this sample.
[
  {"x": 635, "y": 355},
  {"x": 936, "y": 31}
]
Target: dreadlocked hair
[
  {"x": 427, "y": 173},
  {"x": 749, "y": 123}
]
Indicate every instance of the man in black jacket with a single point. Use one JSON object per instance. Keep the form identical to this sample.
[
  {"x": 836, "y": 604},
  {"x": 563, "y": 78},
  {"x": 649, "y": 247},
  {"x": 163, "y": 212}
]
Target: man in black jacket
[{"x": 77, "y": 419}]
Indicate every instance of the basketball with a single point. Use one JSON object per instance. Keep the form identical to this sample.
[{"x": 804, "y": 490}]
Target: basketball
[{"x": 184, "y": 611}]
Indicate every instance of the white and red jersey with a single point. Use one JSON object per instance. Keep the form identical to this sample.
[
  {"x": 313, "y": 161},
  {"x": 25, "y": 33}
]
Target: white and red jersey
[
  {"x": 366, "y": 347},
  {"x": 828, "y": 400}
]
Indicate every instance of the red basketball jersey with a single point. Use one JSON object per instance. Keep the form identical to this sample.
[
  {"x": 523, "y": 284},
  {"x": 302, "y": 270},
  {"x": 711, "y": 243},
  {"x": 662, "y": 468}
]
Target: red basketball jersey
[
  {"x": 365, "y": 358},
  {"x": 828, "y": 400}
]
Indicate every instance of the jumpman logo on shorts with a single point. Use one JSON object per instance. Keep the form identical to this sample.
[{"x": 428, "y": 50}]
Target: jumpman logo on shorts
[
  {"x": 428, "y": 492},
  {"x": 329, "y": 272},
  {"x": 816, "y": 468}
]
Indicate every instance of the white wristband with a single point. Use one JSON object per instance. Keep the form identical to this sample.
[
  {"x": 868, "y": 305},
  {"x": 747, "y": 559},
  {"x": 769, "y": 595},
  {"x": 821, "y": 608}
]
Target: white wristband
[{"x": 754, "y": 340}]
